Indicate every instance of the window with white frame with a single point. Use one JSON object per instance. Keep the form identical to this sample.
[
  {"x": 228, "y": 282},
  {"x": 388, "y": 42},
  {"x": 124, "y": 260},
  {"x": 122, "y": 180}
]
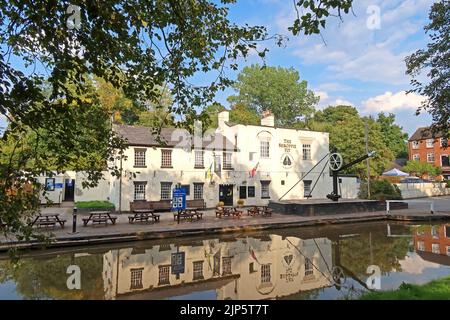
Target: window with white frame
[
  {"x": 265, "y": 190},
  {"x": 444, "y": 142},
  {"x": 309, "y": 268},
  {"x": 307, "y": 187},
  {"x": 166, "y": 187},
  {"x": 264, "y": 149},
  {"x": 198, "y": 191},
  {"x": 420, "y": 245},
  {"x": 251, "y": 156},
  {"x": 416, "y": 157},
  {"x": 430, "y": 157},
  {"x": 435, "y": 248},
  {"x": 265, "y": 273},
  {"x": 166, "y": 158},
  {"x": 139, "y": 157},
  {"x": 227, "y": 160},
  {"x": 430, "y": 143},
  {"x": 199, "y": 159},
  {"x": 164, "y": 272},
  {"x": 434, "y": 232},
  {"x": 139, "y": 190},
  {"x": 226, "y": 266},
  {"x": 136, "y": 278},
  {"x": 445, "y": 160},
  {"x": 448, "y": 250},
  {"x": 306, "y": 152},
  {"x": 198, "y": 270},
  {"x": 415, "y": 144}
]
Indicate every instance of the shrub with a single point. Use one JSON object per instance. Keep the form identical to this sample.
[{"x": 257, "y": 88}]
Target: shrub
[
  {"x": 220, "y": 204},
  {"x": 94, "y": 204},
  {"x": 447, "y": 184},
  {"x": 240, "y": 202},
  {"x": 380, "y": 190}
]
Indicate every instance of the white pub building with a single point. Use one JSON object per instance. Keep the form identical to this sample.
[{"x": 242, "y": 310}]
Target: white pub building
[{"x": 254, "y": 163}]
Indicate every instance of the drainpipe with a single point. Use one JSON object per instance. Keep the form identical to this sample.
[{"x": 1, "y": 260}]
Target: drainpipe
[{"x": 120, "y": 187}]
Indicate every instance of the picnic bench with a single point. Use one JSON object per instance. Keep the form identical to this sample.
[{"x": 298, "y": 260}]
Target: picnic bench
[
  {"x": 264, "y": 211},
  {"x": 48, "y": 220},
  {"x": 228, "y": 211},
  {"x": 99, "y": 217},
  {"x": 192, "y": 210},
  {"x": 142, "y": 211}
]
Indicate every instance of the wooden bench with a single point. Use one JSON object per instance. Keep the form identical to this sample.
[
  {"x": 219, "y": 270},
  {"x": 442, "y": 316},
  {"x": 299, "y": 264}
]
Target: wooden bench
[
  {"x": 197, "y": 203},
  {"x": 142, "y": 211},
  {"x": 99, "y": 217}
]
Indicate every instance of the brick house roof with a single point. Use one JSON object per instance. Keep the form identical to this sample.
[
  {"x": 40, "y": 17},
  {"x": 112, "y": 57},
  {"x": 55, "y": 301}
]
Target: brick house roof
[{"x": 424, "y": 133}]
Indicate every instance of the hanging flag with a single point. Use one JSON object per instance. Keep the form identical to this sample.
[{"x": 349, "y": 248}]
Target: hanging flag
[
  {"x": 253, "y": 171},
  {"x": 208, "y": 174},
  {"x": 253, "y": 255}
]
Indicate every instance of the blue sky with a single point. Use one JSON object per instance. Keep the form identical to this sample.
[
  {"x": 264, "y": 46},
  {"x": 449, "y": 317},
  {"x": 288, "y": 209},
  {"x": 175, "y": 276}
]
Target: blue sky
[{"x": 361, "y": 62}]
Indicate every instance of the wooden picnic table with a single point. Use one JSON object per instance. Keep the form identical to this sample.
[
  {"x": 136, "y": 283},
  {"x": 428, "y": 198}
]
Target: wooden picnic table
[
  {"x": 48, "y": 219},
  {"x": 229, "y": 211},
  {"x": 99, "y": 217},
  {"x": 188, "y": 214},
  {"x": 143, "y": 215},
  {"x": 260, "y": 210}
]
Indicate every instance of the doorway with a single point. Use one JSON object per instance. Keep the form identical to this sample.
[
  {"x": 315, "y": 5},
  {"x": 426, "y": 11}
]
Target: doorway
[
  {"x": 69, "y": 189},
  {"x": 226, "y": 194}
]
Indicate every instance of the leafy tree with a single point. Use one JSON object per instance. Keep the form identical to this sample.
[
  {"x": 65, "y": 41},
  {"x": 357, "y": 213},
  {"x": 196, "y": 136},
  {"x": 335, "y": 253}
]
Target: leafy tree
[
  {"x": 347, "y": 135},
  {"x": 242, "y": 114},
  {"x": 393, "y": 135},
  {"x": 420, "y": 168},
  {"x": 276, "y": 89},
  {"x": 434, "y": 60},
  {"x": 133, "y": 45},
  {"x": 380, "y": 190}
]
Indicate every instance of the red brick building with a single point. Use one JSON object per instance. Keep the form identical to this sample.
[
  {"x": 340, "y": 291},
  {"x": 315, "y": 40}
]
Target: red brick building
[
  {"x": 423, "y": 147},
  {"x": 432, "y": 239}
]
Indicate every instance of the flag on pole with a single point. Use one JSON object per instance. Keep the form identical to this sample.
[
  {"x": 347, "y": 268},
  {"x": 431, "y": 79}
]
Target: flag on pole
[
  {"x": 253, "y": 171},
  {"x": 253, "y": 255}
]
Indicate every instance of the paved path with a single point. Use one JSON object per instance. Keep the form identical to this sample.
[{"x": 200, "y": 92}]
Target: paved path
[{"x": 167, "y": 227}]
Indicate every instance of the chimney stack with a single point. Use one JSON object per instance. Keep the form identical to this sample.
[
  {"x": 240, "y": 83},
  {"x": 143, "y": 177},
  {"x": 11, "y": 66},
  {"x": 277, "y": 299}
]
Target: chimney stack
[
  {"x": 222, "y": 117},
  {"x": 267, "y": 119}
]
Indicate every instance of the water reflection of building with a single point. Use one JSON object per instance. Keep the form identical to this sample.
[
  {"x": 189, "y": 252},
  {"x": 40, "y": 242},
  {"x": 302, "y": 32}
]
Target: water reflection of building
[
  {"x": 433, "y": 243},
  {"x": 245, "y": 268}
]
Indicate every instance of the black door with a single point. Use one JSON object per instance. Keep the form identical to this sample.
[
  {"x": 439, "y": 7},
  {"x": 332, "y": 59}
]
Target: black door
[
  {"x": 226, "y": 194},
  {"x": 69, "y": 190}
]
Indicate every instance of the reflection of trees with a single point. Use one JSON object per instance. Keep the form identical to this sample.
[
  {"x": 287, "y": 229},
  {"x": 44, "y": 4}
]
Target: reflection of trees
[
  {"x": 360, "y": 252},
  {"x": 46, "y": 278}
]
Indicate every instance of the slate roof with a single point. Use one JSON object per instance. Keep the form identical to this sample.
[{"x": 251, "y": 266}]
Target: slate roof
[
  {"x": 424, "y": 133},
  {"x": 170, "y": 137}
]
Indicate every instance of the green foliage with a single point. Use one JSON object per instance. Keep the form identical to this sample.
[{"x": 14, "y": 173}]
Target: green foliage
[
  {"x": 276, "y": 89},
  {"x": 420, "y": 168},
  {"x": 347, "y": 135},
  {"x": 94, "y": 204},
  {"x": 435, "y": 290},
  {"x": 393, "y": 136},
  {"x": 380, "y": 190},
  {"x": 240, "y": 113},
  {"x": 434, "y": 61}
]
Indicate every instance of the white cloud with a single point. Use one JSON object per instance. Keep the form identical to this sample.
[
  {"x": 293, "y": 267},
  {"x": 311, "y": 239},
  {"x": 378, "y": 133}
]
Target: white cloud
[
  {"x": 414, "y": 264},
  {"x": 352, "y": 50},
  {"x": 326, "y": 100},
  {"x": 389, "y": 101}
]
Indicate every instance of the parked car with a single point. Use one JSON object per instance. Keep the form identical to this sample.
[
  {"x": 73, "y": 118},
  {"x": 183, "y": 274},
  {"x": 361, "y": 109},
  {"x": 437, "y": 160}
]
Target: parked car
[{"x": 413, "y": 180}]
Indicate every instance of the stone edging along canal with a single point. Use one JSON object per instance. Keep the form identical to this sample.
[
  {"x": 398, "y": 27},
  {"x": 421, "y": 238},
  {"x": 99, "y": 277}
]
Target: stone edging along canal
[{"x": 90, "y": 239}]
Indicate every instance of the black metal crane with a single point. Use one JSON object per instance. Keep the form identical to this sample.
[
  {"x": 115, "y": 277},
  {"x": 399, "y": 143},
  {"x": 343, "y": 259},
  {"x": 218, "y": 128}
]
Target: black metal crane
[{"x": 336, "y": 165}]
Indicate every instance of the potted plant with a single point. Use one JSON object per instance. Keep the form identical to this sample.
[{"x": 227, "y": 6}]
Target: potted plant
[
  {"x": 240, "y": 203},
  {"x": 220, "y": 204}
]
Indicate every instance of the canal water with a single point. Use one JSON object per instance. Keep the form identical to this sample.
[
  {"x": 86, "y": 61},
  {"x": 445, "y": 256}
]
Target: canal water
[{"x": 331, "y": 262}]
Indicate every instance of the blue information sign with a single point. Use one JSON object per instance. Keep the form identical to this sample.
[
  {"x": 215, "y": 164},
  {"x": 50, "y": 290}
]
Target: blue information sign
[
  {"x": 58, "y": 185},
  {"x": 178, "y": 199},
  {"x": 177, "y": 261}
]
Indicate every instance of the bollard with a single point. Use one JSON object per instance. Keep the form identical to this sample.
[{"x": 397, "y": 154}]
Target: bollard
[{"x": 74, "y": 220}]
